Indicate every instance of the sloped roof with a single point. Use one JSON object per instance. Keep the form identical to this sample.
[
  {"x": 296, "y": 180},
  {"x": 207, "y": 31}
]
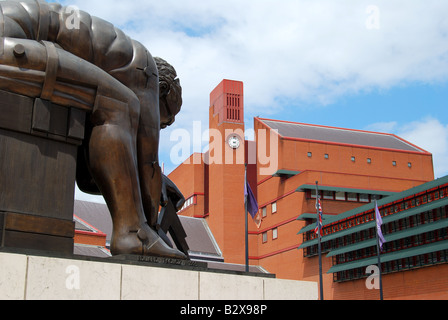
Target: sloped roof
[
  {"x": 91, "y": 251},
  {"x": 202, "y": 244},
  {"x": 200, "y": 239},
  {"x": 310, "y": 132},
  {"x": 96, "y": 214}
]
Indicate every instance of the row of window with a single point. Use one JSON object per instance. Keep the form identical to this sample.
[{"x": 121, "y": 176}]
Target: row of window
[
  {"x": 364, "y": 217},
  {"x": 395, "y": 266},
  {"x": 233, "y": 100},
  {"x": 387, "y": 228},
  {"x": 264, "y": 213},
  {"x": 353, "y": 159},
  {"x": 343, "y": 196},
  {"x": 392, "y": 246},
  {"x": 189, "y": 202},
  {"x": 264, "y": 235},
  {"x": 264, "y": 210}
]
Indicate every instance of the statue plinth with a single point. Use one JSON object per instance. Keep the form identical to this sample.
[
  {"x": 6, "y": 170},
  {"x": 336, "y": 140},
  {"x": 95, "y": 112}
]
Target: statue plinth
[
  {"x": 161, "y": 261},
  {"x": 38, "y": 145}
]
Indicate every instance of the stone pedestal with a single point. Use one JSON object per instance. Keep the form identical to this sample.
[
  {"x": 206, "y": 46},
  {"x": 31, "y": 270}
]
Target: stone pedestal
[
  {"x": 31, "y": 277},
  {"x": 38, "y": 151}
]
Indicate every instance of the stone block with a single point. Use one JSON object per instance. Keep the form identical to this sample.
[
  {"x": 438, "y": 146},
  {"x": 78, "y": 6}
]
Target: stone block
[
  {"x": 220, "y": 286},
  {"x": 64, "y": 279},
  {"x": 12, "y": 276},
  {"x": 279, "y": 289},
  {"x": 148, "y": 283}
]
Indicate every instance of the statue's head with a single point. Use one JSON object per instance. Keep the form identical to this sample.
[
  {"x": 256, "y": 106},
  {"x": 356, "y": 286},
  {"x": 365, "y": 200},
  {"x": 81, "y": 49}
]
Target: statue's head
[{"x": 170, "y": 93}]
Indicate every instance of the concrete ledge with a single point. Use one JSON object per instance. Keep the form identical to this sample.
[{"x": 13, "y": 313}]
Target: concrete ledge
[{"x": 32, "y": 277}]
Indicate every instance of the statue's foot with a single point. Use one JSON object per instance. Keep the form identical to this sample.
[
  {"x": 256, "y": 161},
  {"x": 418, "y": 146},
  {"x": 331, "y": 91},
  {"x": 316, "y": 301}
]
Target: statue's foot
[{"x": 144, "y": 242}]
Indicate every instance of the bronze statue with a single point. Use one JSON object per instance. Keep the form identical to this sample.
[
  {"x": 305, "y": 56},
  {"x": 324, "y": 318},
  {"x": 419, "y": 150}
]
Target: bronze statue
[{"x": 129, "y": 97}]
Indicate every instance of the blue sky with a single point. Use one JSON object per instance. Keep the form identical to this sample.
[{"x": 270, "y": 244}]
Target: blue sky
[
  {"x": 378, "y": 65},
  {"x": 398, "y": 104}
]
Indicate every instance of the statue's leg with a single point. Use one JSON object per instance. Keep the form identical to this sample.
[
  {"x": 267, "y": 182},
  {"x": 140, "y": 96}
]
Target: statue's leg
[
  {"x": 113, "y": 140},
  {"x": 150, "y": 172},
  {"x": 148, "y": 142}
]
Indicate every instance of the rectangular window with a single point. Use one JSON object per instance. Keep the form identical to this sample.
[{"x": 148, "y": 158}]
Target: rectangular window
[
  {"x": 352, "y": 196},
  {"x": 274, "y": 207},
  {"x": 364, "y": 197},
  {"x": 328, "y": 195},
  {"x": 274, "y": 233},
  {"x": 313, "y": 194},
  {"x": 264, "y": 236},
  {"x": 263, "y": 212},
  {"x": 340, "y": 196}
]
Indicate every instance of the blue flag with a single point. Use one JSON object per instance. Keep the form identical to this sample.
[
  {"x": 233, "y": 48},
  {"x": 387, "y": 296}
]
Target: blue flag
[{"x": 252, "y": 205}]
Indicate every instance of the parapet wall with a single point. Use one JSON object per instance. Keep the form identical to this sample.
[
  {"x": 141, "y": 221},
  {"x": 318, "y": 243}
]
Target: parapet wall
[{"x": 32, "y": 277}]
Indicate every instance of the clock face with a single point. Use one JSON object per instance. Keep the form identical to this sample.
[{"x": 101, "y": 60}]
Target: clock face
[{"x": 234, "y": 142}]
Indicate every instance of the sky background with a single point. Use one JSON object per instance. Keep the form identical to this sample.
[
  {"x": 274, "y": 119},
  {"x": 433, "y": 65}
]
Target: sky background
[{"x": 369, "y": 65}]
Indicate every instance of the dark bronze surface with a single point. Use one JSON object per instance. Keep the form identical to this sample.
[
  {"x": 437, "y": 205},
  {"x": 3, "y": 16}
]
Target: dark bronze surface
[
  {"x": 91, "y": 86},
  {"x": 169, "y": 222}
]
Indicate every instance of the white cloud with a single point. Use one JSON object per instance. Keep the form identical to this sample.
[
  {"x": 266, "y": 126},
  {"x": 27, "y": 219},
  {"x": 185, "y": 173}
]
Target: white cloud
[
  {"x": 299, "y": 51},
  {"x": 387, "y": 127},
  {"x": 429, "y": 134},
  {"x": 302, "y": 50}
]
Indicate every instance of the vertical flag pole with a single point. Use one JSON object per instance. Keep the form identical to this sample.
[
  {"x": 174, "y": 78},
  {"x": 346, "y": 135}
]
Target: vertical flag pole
[
  {"x": 250, "y": 206},
  {"x": 378, "y": 250},
  {"x": 319, "y": 246},
  {"x": 245, "y": 210}
]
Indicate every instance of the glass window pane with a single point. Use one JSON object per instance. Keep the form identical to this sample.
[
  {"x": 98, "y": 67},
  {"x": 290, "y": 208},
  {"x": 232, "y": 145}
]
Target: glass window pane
[
  {"x": 274, "y": 233},
  {"x": 340, "y": 195},
  {"x": 364, "y": 197},
  {"x": 352, "y": 196},
  {"x": 328, "y": 195}
]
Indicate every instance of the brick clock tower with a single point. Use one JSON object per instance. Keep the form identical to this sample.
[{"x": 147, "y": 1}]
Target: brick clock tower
[{"x": 226, "y": 169}]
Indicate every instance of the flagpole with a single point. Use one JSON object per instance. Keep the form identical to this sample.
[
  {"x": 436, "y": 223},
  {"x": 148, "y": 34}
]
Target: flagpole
[
  {"x": 378, "y": 251},
  {"x": 319, "y": 246},
  {"x": 246, "y": 222}
]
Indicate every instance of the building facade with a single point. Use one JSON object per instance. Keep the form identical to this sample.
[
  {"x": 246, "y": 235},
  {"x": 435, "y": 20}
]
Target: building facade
[
  {"x": 351, "y": 167},
  {"x": 414, "y": 256}
]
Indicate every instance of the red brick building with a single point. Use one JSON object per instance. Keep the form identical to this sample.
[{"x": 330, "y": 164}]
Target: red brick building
[{"x": 285, "y": 160}]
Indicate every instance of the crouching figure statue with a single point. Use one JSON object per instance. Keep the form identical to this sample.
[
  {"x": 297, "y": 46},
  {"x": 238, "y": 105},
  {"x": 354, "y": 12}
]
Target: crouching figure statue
[{"x": 129, "y": 97}]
